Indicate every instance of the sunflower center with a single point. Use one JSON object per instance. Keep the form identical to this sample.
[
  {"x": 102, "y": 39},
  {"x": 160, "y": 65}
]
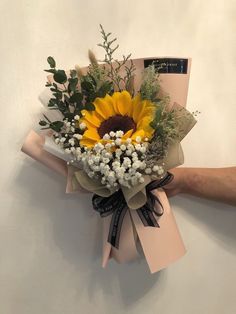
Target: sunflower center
[{"x": 116, "y": 123}]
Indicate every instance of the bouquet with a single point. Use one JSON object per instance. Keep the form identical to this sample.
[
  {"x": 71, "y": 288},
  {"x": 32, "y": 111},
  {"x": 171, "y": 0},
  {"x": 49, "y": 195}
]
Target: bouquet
[{"x": 117, "y": 135}]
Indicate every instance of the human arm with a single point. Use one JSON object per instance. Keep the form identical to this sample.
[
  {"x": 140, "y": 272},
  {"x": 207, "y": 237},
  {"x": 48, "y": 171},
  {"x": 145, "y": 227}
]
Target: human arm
[{"x": 217, "y": 184}]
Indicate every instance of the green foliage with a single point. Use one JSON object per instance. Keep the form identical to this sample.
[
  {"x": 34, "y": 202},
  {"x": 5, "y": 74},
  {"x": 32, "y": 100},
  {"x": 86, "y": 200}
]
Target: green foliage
[
  {"x": 56, "y": 125},
  {"x": 60, "y": 77},
  {"x": 89, "y": 106},
  {"x": 48, "y": 124},
  {"x": 150, "y": 84},
  {"x": 42, "y": 123},
  {"x": 73, "y": 83},
  {"x": 76, "y": 99},
  {"x": 168, "y": 128},
  {"x": 73, "y": 74},
  {"x": 51, "y": 62},
  {"x": 105, "y": 88},
  {"x": 66, "y": 96},
  {"x": 115, "y": 66},
  {"x": 91, "y": 88},
  {"x": 96, "y": 76},
  {"x": 164, "y": 123},
  {"x": 72, "y": 91},
  {"x": 71, "y": 94}
]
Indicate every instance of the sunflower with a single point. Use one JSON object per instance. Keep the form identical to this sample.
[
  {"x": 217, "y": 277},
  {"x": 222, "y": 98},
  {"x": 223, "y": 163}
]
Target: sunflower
[{"x": 119, "y": 112}]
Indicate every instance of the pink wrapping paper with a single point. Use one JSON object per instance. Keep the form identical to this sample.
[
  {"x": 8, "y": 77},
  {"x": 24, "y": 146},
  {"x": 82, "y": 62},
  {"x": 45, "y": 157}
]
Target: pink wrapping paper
[
  {"x": 161, "y": 246},
  {"x": 33, "y": 146}
]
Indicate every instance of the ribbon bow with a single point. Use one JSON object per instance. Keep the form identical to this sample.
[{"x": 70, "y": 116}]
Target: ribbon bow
[{"x": 117, "y": 206}]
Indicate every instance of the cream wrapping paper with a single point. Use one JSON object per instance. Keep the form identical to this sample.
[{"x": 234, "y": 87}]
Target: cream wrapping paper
[{"x": 161, "y": 246}]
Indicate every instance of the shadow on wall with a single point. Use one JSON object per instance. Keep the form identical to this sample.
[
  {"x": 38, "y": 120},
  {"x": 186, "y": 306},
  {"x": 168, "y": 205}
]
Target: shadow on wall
[
  {"x": 218, "y": 220},
  {"x": 77, "y": 232}
]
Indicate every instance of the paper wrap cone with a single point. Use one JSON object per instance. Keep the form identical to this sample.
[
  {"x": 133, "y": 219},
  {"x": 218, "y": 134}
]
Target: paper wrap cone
[{"x": 161, "y": 246}]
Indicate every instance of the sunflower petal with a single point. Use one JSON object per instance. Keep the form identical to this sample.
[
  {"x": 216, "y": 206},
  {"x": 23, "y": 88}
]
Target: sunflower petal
[
  {"x": 104, "y": 107},
  {"x": 145, "y": 124},
  {"x": 87, "y": 143},
  {"x": 124, "y": 103},
  {"x": 134, "y": 101},
  {"x": 120, "y": 103},
  {"x": 92, "y": 117},
  {"x": 91, "y": 134},
  {"x": 140, "y": 133},
  {"x": 127, "y": 134},
  {"x": 138, "y": 107},
  {"x": 115, "y": 97}
]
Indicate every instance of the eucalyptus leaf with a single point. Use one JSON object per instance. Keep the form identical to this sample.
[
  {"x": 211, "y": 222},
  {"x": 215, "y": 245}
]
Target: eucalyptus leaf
[
  {"x": 66, "y": 99},
  {"x": 60, "y": 76},
  {"x": 51, "y": 71},
  {"x": 53, "y": 89},
  {"x": 56, "y": 125},
  {"x": 89, "y": 107},
  {"x": 76, "y": 98},
  {"x": 52, "y": 102},
  {"x": 69, "y": 115},
  {"x": 51, "y": 62},
  {"x": 61, "y": 106},
  {"x": 58, "y": 95},
  {"x": 73, "y": 82},
  {"x": 42, "y": 123}
]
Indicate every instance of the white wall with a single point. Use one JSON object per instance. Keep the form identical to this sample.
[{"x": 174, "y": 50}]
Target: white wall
[{"x": 50, "y": 242}]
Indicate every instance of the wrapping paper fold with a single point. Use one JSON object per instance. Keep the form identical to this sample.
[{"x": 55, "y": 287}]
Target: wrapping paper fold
[{"x": 161, "y": 246}]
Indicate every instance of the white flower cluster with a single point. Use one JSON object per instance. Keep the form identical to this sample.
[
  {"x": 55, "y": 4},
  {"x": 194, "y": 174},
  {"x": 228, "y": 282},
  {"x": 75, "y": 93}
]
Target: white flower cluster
[
  {"x": 116, "y": 161},
  {"x": 69, "y": 140}
]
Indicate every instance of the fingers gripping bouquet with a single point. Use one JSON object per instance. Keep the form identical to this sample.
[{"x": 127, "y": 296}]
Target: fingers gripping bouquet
[{"x": 118, "y": 136}]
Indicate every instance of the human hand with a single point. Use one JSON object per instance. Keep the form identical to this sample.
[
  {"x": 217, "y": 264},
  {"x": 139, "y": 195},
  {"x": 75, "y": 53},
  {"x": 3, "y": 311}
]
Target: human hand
[
  {"x": 217, "y": 184},
  {"x": 176, "y": 186}
]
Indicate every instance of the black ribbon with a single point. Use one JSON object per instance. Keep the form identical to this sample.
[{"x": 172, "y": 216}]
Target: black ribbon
[{"x": 117, "y": 206}]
